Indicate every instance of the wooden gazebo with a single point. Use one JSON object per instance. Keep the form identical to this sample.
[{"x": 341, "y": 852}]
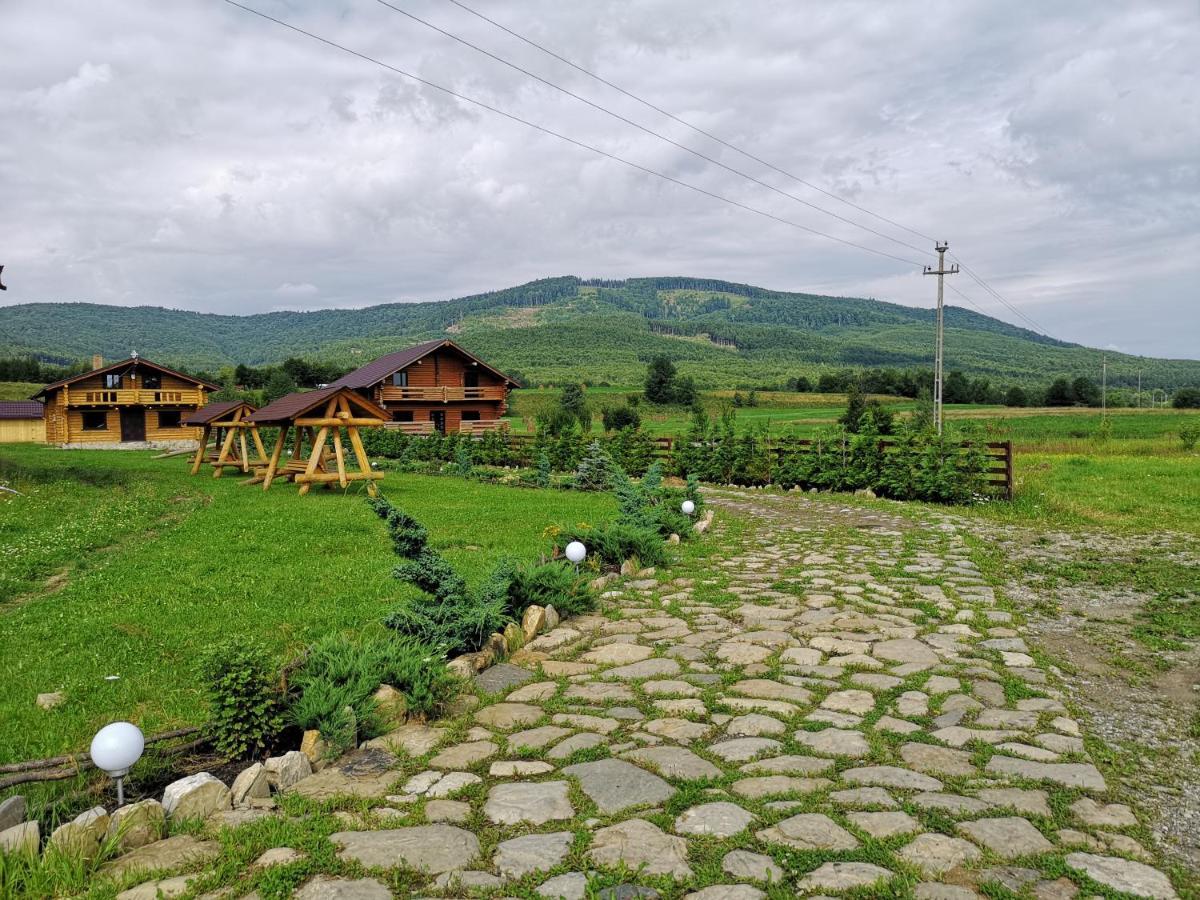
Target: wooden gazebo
[
  {"x": 320, "y": 415},
  {"x": 226, "y": 423}
]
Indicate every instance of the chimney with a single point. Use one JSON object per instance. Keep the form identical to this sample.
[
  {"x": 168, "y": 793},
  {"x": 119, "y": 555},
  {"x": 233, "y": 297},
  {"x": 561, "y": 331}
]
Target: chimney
[{"x": 97, "y": 361}]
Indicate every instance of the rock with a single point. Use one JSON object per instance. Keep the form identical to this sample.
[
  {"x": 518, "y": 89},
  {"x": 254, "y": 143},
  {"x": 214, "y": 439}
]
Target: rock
[
  {"x": 50, "y": 700},
  {"x": 615, "y": 785},
  {"x": 451, "y": 783},
  {"x": 171, "y": 853},
  {"x": 251, "y": 784},
  {"x": 572, "y": 886},
  {"x": 1123, "y": 875},
  {"x": 675, "y": 762},
  {"x": 12, "y": 811},
  {"x": 721, "y": 819},
  {"x": 413, "y": 739},
  {"x": 1114, "y": 815},
  {"x": 754, "y": 725},
  {"x": 647, "y": 668},
  {"x": 514, "y": 639},
  {"x": 552, "y": 617},
  {"x": 753, "y": 866},
  {"x": 773, "y": 785},
  {"x": 463, "y": 756},
  {"x": 136, "y": 825},
  {"x": 764, "y": 689},
  {"x": 314, "y": 747},
  {"x": 323, "y": 887},
  {"x": 286, "y": 771},
  {"x": 577, "y": 742},
  {"x": 641, "y": 846},
  {"x": 154, "y": 890},
  {"x": 82, "y": 835},
  {"x": 935, "y": 854},
  {"x": 1007, "y": 838},
  {"x": 727, "y": 892},
  {"x": 834, "y": 742},
  {"x": 681, "y": 731},
  {"x": 506, "y": 716},
  {"x": 23, "y": 838},
  {"x": 196, "y": 796},
  {"x": 935, "y": 760},
  {"x": 617, "y": 654},
  {"x": 518, "y": 857},
  {"x": 467, "y": 880},
  {"x": 533, "y": 622},
  {"x": 893, "y": 777},
  {"x": 809, "y": 831},
  {"x": 843, "y": 876},
  {"x": 905, "y": 650},
  {"x": 431, "y": 849},
  {"x": 391, "y": 706},
  {"x": 511, "y": 768},
  {"x": 276, "y": 856},
  {"x": 1031, "y": 803},
  {"x": 532, "y": 802},
  {"x": 743, "y": 749},
  {"x": 536, "y": 738},
  {"x": 335, "y": 782},
  {"x": 1079, "y": 775},
  {"x": 885, "y": 824},
  {"x": 447, "y": 811},
  {"x": 852, "y": 701}
]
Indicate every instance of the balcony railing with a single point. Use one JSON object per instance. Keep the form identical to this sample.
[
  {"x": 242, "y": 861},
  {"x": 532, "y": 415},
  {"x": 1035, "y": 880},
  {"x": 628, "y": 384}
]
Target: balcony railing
[
  {"x": 133, "y": 397},
  {"x": 440, "y": 394}
]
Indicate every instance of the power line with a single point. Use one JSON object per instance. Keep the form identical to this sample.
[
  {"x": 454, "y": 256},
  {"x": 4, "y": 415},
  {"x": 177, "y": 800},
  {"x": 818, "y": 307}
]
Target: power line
[
  {"x": 684, "y": 122},
  {"x": 675, "y": 118},
  {"x": 978, "y": 279},
  {"x": 570, "y": 140},
  {"x": 644, "y": 129}
]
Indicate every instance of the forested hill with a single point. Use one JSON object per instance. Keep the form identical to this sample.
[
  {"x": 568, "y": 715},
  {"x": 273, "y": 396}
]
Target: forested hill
[{"x": 561, "y": 329}]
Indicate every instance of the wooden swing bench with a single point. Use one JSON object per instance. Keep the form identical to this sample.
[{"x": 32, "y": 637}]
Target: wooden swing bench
[
  {"x": 227, "y": 423},
  {"x": 320, "y": 416}
]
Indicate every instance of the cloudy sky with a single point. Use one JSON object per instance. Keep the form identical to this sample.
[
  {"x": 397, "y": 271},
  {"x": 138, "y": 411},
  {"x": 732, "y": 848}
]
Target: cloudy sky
[{"x": 189, "y": 154}]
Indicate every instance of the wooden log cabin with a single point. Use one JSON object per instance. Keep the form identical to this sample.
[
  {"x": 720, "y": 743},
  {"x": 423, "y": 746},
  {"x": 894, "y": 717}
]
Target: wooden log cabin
[
  {"x": 435, "y": 386},
  {"x": 134, "y": 401}
]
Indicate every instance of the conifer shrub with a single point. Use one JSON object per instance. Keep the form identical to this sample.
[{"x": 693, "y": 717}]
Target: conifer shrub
[
  {"x": 611, "y": 544},
  {"x": 245, "y": 708},
  {"x": 554, "y": 583}
]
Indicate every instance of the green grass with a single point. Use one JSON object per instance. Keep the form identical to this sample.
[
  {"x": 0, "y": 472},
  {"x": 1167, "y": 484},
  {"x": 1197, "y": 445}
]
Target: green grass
[
  {"x": 152, "y": 566},
  {"x": 17, "y": 390}
]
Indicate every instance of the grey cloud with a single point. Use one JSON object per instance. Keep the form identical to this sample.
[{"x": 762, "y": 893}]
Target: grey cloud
[{"x": 191, "y": 155}]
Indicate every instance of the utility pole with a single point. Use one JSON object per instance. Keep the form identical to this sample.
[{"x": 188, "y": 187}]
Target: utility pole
[
  {"x": 1104, "y": 385},
  {"x": 941, "y": 271}
]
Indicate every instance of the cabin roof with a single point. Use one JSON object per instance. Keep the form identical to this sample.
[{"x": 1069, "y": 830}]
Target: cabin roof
[
  {"x": 126, "y": 363},
  {"x": 21, "y": 409},
  {"x": 213, "y": 411},
  {"x": 379, "y": 369},
  {"x": 293, "y": 406}
]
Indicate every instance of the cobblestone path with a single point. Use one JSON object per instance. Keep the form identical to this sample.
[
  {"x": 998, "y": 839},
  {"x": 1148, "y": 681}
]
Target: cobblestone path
[{"x": 839, "y": 703}]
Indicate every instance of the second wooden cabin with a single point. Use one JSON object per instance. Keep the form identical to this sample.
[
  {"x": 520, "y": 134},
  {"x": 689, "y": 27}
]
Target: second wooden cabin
[{"x": 435, "y": 386}]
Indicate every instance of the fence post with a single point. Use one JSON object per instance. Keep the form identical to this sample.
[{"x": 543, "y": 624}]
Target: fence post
[{"x": 1008, "y": 470}]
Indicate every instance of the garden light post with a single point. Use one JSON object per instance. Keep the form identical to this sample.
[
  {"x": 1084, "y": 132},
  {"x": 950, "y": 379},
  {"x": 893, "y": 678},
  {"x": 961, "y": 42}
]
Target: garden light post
[
  {"x": 115, "y": 748},
  {"x": 688, "y": 507},
  {"x": 576, "y": 553}
]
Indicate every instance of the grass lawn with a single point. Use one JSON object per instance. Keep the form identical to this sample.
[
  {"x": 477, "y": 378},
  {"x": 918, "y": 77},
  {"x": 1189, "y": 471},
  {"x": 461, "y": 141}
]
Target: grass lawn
[
  {"x": 116, "y": 564},
  {"x": 17, "y": 390}
]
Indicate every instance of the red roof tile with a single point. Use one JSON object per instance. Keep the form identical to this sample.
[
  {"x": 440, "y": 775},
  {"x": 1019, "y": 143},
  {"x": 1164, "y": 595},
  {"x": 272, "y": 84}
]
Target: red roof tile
[
  {"x": 379, "y": 369},
  {"x": 21, "y": 409}
]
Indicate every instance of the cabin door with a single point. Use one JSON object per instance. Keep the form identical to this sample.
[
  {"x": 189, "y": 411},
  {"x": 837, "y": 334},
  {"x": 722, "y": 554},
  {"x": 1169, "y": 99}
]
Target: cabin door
[
  {"x": 438, "y": 418},
  {"x": 133, "y": 423}
]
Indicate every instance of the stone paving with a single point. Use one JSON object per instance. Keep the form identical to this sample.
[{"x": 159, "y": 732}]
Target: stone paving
[{"x": 839, "y": 703}]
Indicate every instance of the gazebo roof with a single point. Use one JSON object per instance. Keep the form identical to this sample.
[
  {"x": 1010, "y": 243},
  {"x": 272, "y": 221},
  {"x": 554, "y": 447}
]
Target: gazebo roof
[{"x": 293, "y": 406}]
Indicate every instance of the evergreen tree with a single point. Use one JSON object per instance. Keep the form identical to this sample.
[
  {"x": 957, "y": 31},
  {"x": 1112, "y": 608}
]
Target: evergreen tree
[
  {"x": 1086, "y": 391},
  {"x": 1016, "y": 396},
  {"x": 1060, "y": 393},
  {"x": 660, "y": 380}
]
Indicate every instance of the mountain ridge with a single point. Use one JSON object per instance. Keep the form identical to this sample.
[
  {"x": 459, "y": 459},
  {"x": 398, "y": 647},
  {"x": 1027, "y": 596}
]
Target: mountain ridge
[{"x": 564, "y": 328}]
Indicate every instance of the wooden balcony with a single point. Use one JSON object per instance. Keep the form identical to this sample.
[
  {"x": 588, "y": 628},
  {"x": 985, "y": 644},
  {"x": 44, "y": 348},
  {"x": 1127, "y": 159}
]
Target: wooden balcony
[
  {"x": 133, "y": 397},
  {"x": 481, "y": 425},
  {"x": 410, "y": 427},
  {"x": 440, "y": 394}
]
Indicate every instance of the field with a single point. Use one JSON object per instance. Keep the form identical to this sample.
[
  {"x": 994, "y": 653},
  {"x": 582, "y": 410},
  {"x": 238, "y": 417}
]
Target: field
[
  {"x": 17, "y": 390},
  {"x": 116, "y": 564}
]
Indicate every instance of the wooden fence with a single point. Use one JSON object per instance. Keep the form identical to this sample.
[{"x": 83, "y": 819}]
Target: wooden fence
[{"x": 999, "y": 472}]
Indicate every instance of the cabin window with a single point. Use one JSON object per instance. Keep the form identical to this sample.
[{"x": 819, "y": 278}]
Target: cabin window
[
  {"x": 402, "y": 415},
  {"x": 169, "y": 418},
  {"x": 112, "y": 380},
  {"x": 95, "y": 421},
  {"x": 470, "y": 415},
  {"x": 152, "y": 381},
  {"x": 400, "y": 379},
  {"x": 471, "y": 378}
]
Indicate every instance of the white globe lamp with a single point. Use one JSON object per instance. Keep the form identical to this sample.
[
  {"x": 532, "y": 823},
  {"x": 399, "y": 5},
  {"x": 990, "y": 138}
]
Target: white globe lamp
[
  {"x": 115, "y": 748},
  {"x": 576, "y": 552},
  {"x": 688, "y": 507}
]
